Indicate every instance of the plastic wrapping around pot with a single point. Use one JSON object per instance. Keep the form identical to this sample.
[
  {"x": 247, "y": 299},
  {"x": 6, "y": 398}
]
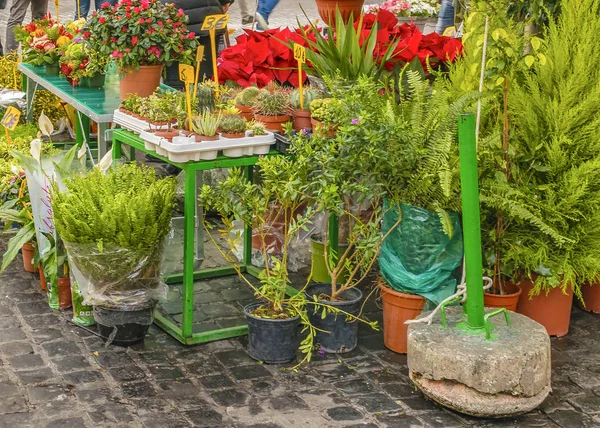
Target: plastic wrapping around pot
[
  {"x": 124, "y": 327},
  {"x": 116, "y": 277},
  {"x": 82, "y": 314},
  {"x": 418, "y": 257}
]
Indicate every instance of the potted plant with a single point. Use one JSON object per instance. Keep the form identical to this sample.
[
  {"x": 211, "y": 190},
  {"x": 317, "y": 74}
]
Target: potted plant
[
  {"x": 256, "y": 129},
  {"x": 271, "y": 108},
  {"x": 44, "y": 40},
  {"x": 233, "y": 126},
  {"x": 332, "y": 10},
  {"x": 301, "y": 112},
  {"x": 116, "y": 263},
  {"x": 418, "y": 12},
  {"x": 140, "y": 37},
  {"x": 132, "y": 105},
  {"x": 83, "y": 66},
  {"x": 323, "y": 116},
  {"x": 164, "y": 109},
  {"x": 245, "y": 100},
  {"x": 206, "y": 126}
]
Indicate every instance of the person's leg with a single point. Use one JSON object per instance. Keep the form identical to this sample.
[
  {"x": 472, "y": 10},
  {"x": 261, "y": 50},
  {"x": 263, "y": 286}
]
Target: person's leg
[
  {"x": 39, "y": 8},
  {"x": 445, "y": 17},
  {"x": 18, "y": 9},
  {"x": 265, "y": 7},
  {"x": 247, "y": 16},
  {"x": 84, "y": 8}
]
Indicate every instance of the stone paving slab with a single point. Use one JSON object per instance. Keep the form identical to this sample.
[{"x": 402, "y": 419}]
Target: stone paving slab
[{"x": 54, "y": 374}]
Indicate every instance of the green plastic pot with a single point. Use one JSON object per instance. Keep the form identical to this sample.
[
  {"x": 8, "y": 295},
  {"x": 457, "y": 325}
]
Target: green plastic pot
[
  {"x": 95, "y": 81},
  {"x": 319, "y": 269},
  {"x": 52, "y": 69}
]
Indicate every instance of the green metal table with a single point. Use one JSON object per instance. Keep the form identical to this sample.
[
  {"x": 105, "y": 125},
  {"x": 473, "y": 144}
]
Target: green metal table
[
  {"x": 97, "y": 104},
  {"x": 185, "y": 333}
]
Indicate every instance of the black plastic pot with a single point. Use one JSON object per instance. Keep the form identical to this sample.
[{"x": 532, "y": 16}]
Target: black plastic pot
[
  {"x": 269, "y": 340},
  {"x": 123, "y": 326},
  {"x": 342, "y": 335},
  {"x": 282, "y": 143}
]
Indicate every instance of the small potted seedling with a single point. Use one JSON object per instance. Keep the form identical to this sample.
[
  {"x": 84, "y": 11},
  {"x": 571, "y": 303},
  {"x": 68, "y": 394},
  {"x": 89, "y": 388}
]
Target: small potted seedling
[
  {"x": 164, "y": 111},
  {"x": 131, "y": 105},
  {"x": 206, "y": 126},
  {"x": 256, "y": 129},
  {"x": 245, "y": 100},
  {"x": 233, "y": 126},
  {"x": 301, "y": 111},
  {"x": 323, "y": 112}
]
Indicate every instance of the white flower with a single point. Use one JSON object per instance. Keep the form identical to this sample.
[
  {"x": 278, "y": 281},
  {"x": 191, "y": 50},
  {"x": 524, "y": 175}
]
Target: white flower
[{"x": 45, "y": 125}]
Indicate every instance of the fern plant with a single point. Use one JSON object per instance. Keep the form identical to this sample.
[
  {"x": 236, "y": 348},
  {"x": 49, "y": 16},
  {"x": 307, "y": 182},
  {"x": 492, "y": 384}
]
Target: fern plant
[{"x": 113, "y": 227}]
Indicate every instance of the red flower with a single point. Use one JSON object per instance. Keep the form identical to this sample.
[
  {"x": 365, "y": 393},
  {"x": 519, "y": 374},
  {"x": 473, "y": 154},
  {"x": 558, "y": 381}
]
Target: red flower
[
  {"x": 191, "y": 35},
  {"x": 142, "y": 21},
  {"x": 113, "y": 39},
  {"x": 86, "y": 35},
  {"x": 136, "y": 10},
  {"x": 124, "y": 28},
  {"x": 134, "y": 40},
  {"x": 159, "y": 23},
  {"x": 180, "y": 12},
  {"x": 102, "y": 20},
  {"x": 105, "y": 5},
  {"x": 148, "y": 20}
]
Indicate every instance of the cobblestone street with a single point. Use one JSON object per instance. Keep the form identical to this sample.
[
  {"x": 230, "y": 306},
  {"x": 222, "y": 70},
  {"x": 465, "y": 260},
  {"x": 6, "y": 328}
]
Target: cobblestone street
[{"x": 54, "y": 374}]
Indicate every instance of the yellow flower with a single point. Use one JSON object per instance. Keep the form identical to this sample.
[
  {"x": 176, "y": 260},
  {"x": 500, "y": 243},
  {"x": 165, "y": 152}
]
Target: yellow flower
[
  {"x": 76, "y": 24},
  {"x": 62, "y": 40}
]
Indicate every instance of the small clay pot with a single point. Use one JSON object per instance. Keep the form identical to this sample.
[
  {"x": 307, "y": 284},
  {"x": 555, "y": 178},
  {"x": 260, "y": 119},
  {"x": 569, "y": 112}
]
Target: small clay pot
[
  {"x": 323, "y": 128},
  {"x": 28, "y": 251},
  {"x": 301, "y": 119},
  {"x": 508, "y": 300},
  {"x": 246, "y": 112},
  {"x": 227, "y": 135},
  {"x": 200, "y": 138},
  {"x": 64, "y": 293},
  {"x": 167, "y": 134},
  {"x": 273, "y": 123}
]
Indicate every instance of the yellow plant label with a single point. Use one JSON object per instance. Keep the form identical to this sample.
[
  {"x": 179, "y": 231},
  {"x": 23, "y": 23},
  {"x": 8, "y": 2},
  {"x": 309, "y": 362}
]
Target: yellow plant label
[
  {"x": 200, "y": 53},
  {"x": 300, "y": 53},
  {"x": 186, "y": 73},
  {"x": 215, "y": 22},
  {"x": 11, "y": 117}
]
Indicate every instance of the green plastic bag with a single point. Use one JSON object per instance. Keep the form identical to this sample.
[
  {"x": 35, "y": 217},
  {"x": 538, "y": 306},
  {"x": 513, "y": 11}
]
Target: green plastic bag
[
  {"x": 82, "y": 314},
  {"x": 418, "y": 257}
]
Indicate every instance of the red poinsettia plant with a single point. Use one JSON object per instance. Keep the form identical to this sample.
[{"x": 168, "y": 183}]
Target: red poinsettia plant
[
  {"x": 261, "y": 57},
  {"x": 141, "y": 32}
]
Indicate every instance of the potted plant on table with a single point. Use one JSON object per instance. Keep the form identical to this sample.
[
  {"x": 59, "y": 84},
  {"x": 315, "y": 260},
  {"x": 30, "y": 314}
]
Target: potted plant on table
[
  {"x": 332, "y": 10},
  {"x": 301, "y": 111},
  {"x": 233, "y": 126},
  {"x": 83, "y": 66},
  {"x": 323, "y": 114},
  {"x": 245, "y": 100},
  {"x": 140, "y": 37},
  {"x": 271, "y": 107},
  {"x": 206, "y": 126},
  {"x": 113, "y": 226},
  {"x": 163, "y": 109}
]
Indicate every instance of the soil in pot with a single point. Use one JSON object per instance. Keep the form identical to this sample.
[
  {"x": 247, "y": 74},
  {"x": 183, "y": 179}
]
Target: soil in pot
[
  {"x": 301, "y": 120},
  {"x": 167, "y": 134},
  {"x": 43, "y": 284},
  {"x": 553, "y": 310},
  {"x": 246, "y": 112},
  {"x": 271, "y": 340},
  {"x": 64, "y": 293},
  {"x": 342, "y": 335},
  {"x": 508, "y": 300},
  {"x": 124, "y": 326},
  {"x": 227, "y": 135},
  {"x": 142, "y": 81},
  {"x": 28, "y": 251},
  {"x": 591, "y": 297},
  {"x": 397, "y": 308},
  {"x": 273, "y": 123}
]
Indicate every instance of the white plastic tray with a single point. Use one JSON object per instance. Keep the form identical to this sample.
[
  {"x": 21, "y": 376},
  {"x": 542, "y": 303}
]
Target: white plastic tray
[{"x": 132, "y": 123}]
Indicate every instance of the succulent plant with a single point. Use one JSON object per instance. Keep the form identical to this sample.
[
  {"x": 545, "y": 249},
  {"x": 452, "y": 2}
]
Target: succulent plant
[
  {"x": 272, "y": 103},
  {"x": 257, "y": 128},
  {"x": 247, "y": 96},
  {"x": 206, "y": 123},
  {"x": 233, "y": 124},
  {"x": 324, "y": 109},
  {"x": 206, "y": 98},
  {"x": 309, "y": 95}
]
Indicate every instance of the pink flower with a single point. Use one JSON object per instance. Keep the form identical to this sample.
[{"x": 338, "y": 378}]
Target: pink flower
[
  {"x": 105, "y": 5},
  {"x": 159, "y": 23},
  {"x": 142, "y": 21},
  {"x": 148, "y": 20},
  {"x": 102, "y": 20},
  {"x": 191, "y": 35},
  {"x": 180, "y": 12},
  {"x": 136, "y": 10},
  {"x": 134, "y": 40},
  {"x": 116, "y": 54}
]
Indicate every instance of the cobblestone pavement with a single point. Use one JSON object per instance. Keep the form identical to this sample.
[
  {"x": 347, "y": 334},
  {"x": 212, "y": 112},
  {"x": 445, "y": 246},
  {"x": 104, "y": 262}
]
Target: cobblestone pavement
[{"x": 53, "y": 374}]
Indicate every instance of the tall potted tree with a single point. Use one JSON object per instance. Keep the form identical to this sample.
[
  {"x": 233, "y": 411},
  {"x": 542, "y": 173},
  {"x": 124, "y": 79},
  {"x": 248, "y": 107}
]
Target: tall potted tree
[{"x": 141, "y": 36}]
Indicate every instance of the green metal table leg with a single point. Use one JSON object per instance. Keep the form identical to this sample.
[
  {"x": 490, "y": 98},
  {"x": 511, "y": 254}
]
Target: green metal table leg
[
  {"x": 29, "y": 87},
  {"x": 116, "y": 148},
  {"x": 189, "y": 212},
  {"x": 249, "y": 173},
  {"x": 82, "y": 129}
]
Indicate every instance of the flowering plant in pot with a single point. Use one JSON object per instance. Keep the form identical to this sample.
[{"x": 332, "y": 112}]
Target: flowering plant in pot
[
  {"x": 407, "y": 9},
  {"x": 113, "y": 225},
  {"x": 274, "y": 319},
  {"x": 301, "y": 111},
  {"x": 83, "y": 66},
  {"x": 271, "y": 107},
  {"x": 233, "y": 126},
  {"x": 206, "y": 125},
  {"x": 141, "y": 36},
  {"x": 44, "y": 40}
]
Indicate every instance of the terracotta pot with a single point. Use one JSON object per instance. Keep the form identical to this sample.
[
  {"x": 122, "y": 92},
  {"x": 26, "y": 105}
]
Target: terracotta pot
[
  {"x": 272, "y": 236},
  {"x": 142, "y": 82},
  {"x": 28, "y": 252},
  {"x": 124, "y": 110},
  {"x": 301, "y": 119},
  {"x": 553, "y": 311},
  {"x": 591, "y": 297},
  {"x": 327, "y": 9},
  {"x": 227, "y": 135},
  {"x": 43, "y": 284},
  {"x": 246, "y": 112},
  {"x": 200, "y": 138},
  {"x": 167, "y": 134},
  {"x": 397, "y": 308},
  {"x": 273, "y": 123},
  {"x": 508, "y": 300},
  {"x": 322, "y": 128},
  {"x": 64, "y": 293}
]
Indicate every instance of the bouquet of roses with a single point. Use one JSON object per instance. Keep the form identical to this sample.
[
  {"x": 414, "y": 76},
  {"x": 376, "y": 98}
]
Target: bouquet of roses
[
  {"x": 78, "y": 61},
  {"x": 141, "y": 32},
  {"x": 43, "y": 40},
  {"x": 406, "y": 8}
]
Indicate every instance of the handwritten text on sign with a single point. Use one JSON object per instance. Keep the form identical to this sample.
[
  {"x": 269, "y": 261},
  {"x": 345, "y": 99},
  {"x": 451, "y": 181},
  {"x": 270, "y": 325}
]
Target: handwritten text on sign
[
  {"x": 11, "y": 117},
  {"x": 215, "y": 22}
]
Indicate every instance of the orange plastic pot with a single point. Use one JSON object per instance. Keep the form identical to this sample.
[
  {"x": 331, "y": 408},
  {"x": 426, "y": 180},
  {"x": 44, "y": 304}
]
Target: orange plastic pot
[
  {"x": 64, "y": 293},
  {"x": 509, "y": 300},
  {"x": 246, "y": 112},
  {"x": 273, "y": 123},
  {"x": 28, "y": 251},
  {"x": 143, "y": 81},
  {"x": 591, "y": 298},
  {"x": 552, "y": 310},
  {"x": 327, "y": 9},
  {"x": 43, "y": 284},
  {"x": 397, "y": 308},
  {"x": 301, "y": 120}
]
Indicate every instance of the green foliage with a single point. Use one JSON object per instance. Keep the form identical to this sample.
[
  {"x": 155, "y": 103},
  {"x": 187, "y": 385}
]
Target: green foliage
[
  {"x": 325, "y": 110},
  {"x": 550, "y": 195},
  {"x": 247, "y": 96},
  {"x": 206, "y": 123},
  {"x": 132, "y": 103},
  {"x": 233, "y": 124},
  {"x": 274, "y": 103},
  {"x": 308, "y": 95}
]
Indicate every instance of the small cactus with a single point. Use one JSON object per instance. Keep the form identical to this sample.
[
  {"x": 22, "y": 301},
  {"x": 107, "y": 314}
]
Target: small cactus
[
  {"x": 247, "y": 96},
  {"x": 232, "y": 124},
  {"x": 309, "y": 95}
]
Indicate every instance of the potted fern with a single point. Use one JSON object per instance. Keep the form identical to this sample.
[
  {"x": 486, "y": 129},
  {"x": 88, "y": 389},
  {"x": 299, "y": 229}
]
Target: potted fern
[{"x": 113, "y": 227}]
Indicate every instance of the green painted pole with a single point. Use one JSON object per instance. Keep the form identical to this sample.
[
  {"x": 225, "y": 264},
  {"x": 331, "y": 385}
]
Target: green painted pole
[{"x": 470, "y": 219}]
